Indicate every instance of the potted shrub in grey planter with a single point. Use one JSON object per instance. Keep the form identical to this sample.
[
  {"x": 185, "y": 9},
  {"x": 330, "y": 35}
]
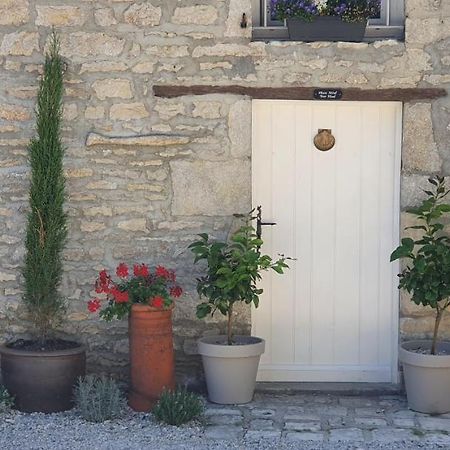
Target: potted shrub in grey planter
[
  {"x": 325, "y": 20},
  {"x": 426, "y": 364},
  {"x": 233, "y": 270},
  {"x": 40, "y": 372}
]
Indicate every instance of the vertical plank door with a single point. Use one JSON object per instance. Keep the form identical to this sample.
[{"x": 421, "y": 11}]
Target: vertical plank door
[{"x": 334, "y": 315}]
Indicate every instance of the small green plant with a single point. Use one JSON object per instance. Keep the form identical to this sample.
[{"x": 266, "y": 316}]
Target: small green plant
[
  {"x": 427, "y": 274},
  {"x": 234, "y": 269},
  {"x": 98, "y": 399},
  {"x": 178, "y": 407},
  {"x": 6, "y": 400}
]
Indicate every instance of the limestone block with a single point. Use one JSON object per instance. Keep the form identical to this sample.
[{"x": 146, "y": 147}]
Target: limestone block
[
  {"x": 19, "y": 44},
  {"x": 412, "y": 189},
  {"x": 103, "y": 66},
  {"x": 102, "y": 184},
  {"x": 168, "y": 51},
  {"x": 105, "y": 211},
  {"x": 7, "y": 276},
  {"x": 133, "y": 187},
  {"x": 60, "y": 16},
  {"x": 91, "y": 227},
  {"x": 14, "y": 12},
  {"x": 143, "y": 67},
  {"x": 210, "y": 188},
  {"x": 128, "y": 111},
  {"x": 217, "y": 65},
  {"x": 424, "y": 31},
  {"x": 14, "y": 113},
  {"x": 133, "y": 225},
  {"x": 223, "y": 50},
  {"x": 207, "y": 110},
  {"x": 104, "y": 17},
  {"x": 94, "y": 112},
  {"x": 235, "y": 11},
  {"x": 297, "y": 77},
  {"x": 150, "y": 140},
  {"x": 143, "y": 15},
  {"x": 112, "y": 88},
  {"x": 82, "y": 44},
  {"x": 70, "y": 112},
  {"x": 167, "y": 109},
  {"x": 81, "y": 172},
  {"x": 419, "y": 149},
  {"x": 196, "y": 15},
  {"x": 240, "y": 128}
]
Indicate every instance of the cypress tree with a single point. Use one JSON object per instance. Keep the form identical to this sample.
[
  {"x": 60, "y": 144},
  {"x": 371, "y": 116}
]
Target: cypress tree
[{"x": 46, "y": 228}]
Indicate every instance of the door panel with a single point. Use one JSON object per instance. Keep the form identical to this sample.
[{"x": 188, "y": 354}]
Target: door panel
[{"x": 333, "y": 315}]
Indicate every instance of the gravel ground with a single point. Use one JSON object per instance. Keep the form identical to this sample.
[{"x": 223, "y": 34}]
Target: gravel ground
[{"x": 139, "y": 431}]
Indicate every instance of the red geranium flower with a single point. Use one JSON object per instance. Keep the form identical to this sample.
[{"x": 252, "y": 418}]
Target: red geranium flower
[
  {"x": 103, "y": 275},
  {"x": 162, "y": 272},
  {"x": 176, "y": 291},
  {"x": 120, "y": 297},
  {"x": 141, "y": 270},
  {"x": 94, "y": 305},
  {"x": 157, "y": 302},
  {"x": 122, "y": 270}
]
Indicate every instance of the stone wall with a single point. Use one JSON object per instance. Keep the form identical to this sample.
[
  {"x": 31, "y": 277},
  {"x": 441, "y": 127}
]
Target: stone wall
[{"x": 128, "y": 198}]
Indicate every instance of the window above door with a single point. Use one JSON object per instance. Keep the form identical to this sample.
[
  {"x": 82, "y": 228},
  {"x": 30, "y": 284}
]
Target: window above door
[{"x": 388, "y": 25}]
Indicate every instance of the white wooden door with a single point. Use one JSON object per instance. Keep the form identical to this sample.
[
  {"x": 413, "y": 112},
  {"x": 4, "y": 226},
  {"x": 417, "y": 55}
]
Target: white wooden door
[{"x": 334, "y": 315}]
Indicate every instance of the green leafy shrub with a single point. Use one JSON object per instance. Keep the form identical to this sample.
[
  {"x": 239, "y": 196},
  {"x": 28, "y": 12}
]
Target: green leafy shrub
[
  {"x": 98, "y": 399},
  {"x": 6, "y": 400},
  {"x": 178, "y": 407},
  {"x": 234, "y": 269},
  {"x": 427, "y": 273}
]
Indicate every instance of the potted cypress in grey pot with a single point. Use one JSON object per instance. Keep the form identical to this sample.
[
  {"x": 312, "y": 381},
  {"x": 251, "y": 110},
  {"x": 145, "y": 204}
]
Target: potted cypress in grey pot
[
  {"x": 40, "y": 372},
  {"x": 233, "y": 271},
  {"x": 426, "y": 363}
]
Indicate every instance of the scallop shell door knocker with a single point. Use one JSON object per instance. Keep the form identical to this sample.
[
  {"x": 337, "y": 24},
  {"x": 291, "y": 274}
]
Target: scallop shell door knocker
[{"x": 324, "y": 140}]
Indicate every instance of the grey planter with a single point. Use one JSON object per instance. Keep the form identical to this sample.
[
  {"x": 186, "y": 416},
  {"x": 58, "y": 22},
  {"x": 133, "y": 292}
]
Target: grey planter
[
  {"x": 326, "y": 28},
  {"x": 230, "y": 370},
  {"x": 427, "y": 377}
]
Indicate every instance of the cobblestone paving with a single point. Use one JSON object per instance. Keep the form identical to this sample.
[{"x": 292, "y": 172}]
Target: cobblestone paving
[{"x": 363, "y": 421}]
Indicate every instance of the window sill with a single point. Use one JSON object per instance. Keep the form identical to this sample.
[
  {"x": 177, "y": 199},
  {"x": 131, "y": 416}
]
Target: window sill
[{"x": 373, "y": 33}]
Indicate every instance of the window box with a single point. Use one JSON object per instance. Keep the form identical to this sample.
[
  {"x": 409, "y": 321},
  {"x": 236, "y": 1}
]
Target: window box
[
  {"x": 389, "y": 24},
  {"x": 326, "y": 28}
]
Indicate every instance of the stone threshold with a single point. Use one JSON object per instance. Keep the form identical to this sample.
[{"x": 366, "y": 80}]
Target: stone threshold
[{"x": 351, "y": 389}]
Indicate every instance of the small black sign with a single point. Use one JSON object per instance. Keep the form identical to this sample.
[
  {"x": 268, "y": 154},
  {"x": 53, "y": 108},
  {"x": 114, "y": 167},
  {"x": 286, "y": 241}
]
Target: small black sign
[{"x": 327, "y": 94}]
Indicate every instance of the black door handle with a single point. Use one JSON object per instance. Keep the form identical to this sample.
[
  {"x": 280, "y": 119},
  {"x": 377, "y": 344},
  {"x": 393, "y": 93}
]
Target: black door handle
[{"x": 260, "y": 223}]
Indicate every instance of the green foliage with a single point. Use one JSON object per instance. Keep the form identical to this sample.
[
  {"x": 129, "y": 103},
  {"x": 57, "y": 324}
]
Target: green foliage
[
  {"x": 6, "y": 400},
  {"x": 98, "y": 399},
  {"x": 46, "y": 229},
  {"x": 427, "y": 274},
  {"x": 178, "y": 407},
  {"x": 233, "y": 271}
]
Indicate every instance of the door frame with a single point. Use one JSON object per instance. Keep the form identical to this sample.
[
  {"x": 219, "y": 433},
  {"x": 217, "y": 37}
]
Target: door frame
[{"x": 395, "y": 313}]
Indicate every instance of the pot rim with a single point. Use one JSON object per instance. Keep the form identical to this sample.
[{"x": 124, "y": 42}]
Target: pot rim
[
  {"x": 140, "y": 307},
  {"x": 407, "y": 356},
  {"x": 213, "y": 349},
  {"x": 4, "y": 350}
]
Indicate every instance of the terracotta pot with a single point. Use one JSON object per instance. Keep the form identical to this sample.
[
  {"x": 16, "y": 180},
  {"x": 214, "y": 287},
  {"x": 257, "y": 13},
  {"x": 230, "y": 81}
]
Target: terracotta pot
[
  {"x": 151, "y": 355},
  {"x": 42, "y": 381}
]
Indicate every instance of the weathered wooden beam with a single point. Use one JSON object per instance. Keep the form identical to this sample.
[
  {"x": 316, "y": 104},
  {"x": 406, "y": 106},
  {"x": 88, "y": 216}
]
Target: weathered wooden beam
[{"x": 302, "y": 93}]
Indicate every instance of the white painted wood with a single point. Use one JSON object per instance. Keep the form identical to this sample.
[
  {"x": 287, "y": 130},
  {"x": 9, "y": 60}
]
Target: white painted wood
[{"x": 334, "y": 315}]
